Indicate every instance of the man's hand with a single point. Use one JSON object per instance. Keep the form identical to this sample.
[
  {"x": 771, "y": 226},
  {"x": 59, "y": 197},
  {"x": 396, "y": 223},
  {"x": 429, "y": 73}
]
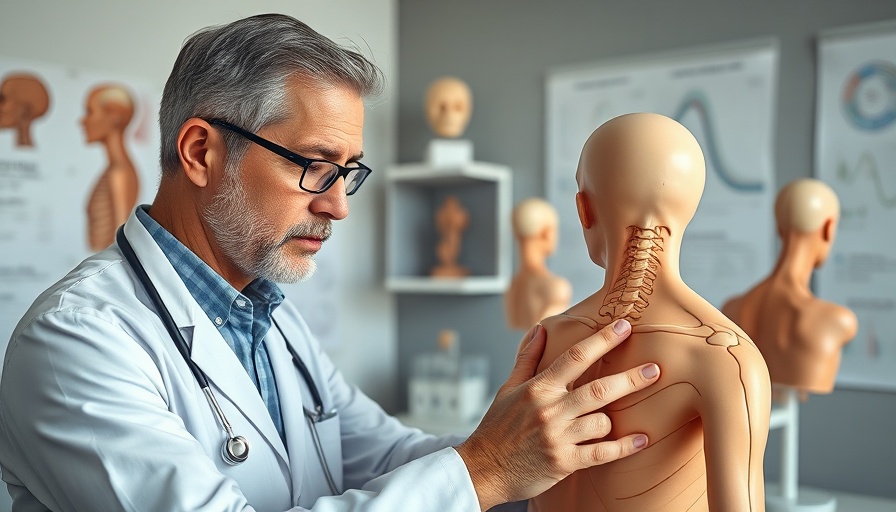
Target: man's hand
[{"x": 536, "y": 432}]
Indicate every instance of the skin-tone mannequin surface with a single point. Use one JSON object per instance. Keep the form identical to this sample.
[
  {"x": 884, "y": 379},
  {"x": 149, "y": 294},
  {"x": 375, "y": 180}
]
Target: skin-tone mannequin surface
[
  {"x": 23, "y": 98},
  {"x": 640, "y": 179},
  {"x": 109, "y": 109},
  {"x": 800, "y": 335},
  {"x": 535, "y": 293},
  {"x": 451, "y": 221},
  {"x": 448, "y": 105}
]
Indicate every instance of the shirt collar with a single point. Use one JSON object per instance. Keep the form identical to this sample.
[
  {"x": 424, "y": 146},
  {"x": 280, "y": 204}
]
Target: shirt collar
[{"x": 211, "y": 291}]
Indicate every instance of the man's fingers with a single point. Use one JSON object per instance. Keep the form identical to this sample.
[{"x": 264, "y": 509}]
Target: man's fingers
[
  {"x": 589, "y": 427},
  {"x": 579, "y": 357},
  {"x": 598, "y": 393},
  {"x": 528, "y": 358},
  {"x": 608, "y": 451}
]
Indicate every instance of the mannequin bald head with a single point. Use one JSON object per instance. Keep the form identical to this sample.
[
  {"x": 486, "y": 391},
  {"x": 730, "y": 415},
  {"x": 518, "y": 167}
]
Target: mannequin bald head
[
  {"x": 643, "y": 170},
  {"x": 449, "y": 105},
  {"x": 807, "y": 211},
  {"x": 532, "y": 216},
  {"x": 805, "y": 205}
]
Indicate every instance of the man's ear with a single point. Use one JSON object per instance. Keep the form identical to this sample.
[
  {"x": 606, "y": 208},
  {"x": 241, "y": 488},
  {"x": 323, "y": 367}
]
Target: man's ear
[
  {"x": 827, "y": 229},
  {"x": 197, "y": 148},
  {"x": 586, "y": 216}
]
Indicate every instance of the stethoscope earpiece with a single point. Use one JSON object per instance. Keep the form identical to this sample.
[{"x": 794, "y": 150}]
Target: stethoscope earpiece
[{"x": 235, "y": 450}]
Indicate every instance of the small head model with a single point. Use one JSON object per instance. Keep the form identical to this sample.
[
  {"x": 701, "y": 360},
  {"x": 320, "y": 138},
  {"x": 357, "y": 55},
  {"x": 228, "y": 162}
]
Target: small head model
[
  {"x": 808, "y": 208},
  {"x": 449, "y": 105},
  {"x": 23, "y": 98},
  {"x": 536, "y": 220},
  {"x": 643, "y": 170},
  {"x": 109, "y": 110}
]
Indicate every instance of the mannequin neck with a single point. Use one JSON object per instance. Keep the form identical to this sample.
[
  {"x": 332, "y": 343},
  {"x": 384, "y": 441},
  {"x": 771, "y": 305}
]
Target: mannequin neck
[
  {"x": 797, "y": 261},
  {"x": 640, "y": 262},
  {"x": 533, "y": 256}
]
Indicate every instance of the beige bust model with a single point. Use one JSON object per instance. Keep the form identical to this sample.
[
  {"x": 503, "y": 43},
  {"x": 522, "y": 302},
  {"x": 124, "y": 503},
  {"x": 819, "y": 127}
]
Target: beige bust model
[
  {"x": 449, "y": 105},
  {"x": 109, "y": 110},
  {"x": 534, "y": 292},
  {"x": 800, "y": 335},
  {"x": 640, "y": 179},
  {"x": 23, "y": 98},
  {"x": 451, "y": 221}
]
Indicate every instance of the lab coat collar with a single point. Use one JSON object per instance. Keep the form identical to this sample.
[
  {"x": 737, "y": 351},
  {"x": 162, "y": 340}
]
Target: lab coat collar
[{"x": 208, "y": 348}]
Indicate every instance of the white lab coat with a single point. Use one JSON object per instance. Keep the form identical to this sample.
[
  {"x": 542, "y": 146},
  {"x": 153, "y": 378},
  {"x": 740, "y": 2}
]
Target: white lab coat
[{"x": 98, "y": 411}]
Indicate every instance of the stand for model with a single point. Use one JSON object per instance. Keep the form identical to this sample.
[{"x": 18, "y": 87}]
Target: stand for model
[{"x": 789, "y": 497}]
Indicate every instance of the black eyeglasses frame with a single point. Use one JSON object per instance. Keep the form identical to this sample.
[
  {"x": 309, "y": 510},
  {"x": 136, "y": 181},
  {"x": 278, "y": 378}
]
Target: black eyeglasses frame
[{"x": 301, "y": 161}]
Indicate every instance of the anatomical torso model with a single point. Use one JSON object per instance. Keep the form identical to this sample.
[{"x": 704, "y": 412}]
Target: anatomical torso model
[{"x": 640, "y": 179}]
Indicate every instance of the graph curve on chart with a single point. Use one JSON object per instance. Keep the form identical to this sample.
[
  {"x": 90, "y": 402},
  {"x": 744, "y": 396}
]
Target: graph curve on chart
[
  {"x": 866, "y": 166},
  {"x": 696, "y": 101}
]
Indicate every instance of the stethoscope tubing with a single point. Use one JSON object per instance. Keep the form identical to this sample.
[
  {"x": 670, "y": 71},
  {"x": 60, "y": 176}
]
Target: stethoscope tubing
[{"x": 236, "y": 448}]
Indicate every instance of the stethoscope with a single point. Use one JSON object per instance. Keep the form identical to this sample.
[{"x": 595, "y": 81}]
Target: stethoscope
[{"x": 235, "y": 449}]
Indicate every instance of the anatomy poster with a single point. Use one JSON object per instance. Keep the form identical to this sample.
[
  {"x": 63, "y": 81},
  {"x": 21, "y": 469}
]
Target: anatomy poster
[
  {"x": 855, "y": 152},
  {"x": 725, "y": 97},
  {"x": 78, "y": 149}
]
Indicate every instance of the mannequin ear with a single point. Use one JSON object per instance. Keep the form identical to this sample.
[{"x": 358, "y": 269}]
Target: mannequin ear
[
  {"x": 197, "y": 150},
  {"x": 827, "y": 229},
  {"x": 586, "y": 217}
]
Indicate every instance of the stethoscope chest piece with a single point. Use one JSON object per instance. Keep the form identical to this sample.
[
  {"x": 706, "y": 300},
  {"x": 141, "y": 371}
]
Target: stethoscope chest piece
[{"x": 235, "y": 450}]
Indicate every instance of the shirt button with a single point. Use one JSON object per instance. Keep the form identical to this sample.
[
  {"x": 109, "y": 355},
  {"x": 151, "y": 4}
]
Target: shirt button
[
  {"x": 219, "y": 321},
  {"x": 241, "y": 303}
]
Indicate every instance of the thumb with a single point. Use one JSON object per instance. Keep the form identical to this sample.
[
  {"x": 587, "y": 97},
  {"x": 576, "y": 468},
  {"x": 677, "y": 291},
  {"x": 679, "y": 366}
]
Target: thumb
[{"x": 528, "y": 358}]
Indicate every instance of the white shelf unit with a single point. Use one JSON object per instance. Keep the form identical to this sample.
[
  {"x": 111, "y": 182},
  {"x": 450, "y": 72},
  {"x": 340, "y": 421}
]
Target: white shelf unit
[{"x": 413, "y": 193}]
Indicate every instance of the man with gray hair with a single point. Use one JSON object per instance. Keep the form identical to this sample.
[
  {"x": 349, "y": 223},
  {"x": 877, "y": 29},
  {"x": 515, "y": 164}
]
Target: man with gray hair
[{"x": 167, "y": 372}]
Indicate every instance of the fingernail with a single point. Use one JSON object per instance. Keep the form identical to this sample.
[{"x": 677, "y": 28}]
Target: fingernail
[
  {"x": 621, "y": 326},
  {"x": 640, "y": 441},
  {"x": 650, "y": 371},
  {"x": 535, "y": 331}
]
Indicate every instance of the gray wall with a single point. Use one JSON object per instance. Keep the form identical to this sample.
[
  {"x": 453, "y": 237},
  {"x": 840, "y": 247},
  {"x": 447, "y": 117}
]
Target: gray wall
[{"x": 504, "y": 48}]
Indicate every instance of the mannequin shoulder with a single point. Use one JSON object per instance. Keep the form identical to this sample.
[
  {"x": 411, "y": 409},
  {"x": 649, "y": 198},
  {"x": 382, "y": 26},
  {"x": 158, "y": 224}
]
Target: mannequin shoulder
[{"x": 833, "y": 317}]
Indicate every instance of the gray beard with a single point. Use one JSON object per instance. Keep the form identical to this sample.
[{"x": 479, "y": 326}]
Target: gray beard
[{"x": 250, "y": 242}]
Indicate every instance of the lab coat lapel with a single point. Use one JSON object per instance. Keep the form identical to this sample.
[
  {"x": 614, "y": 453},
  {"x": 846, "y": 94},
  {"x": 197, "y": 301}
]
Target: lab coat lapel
[
  {"x": 289, "y": 390},
  {"x": 208, "y": 349}
]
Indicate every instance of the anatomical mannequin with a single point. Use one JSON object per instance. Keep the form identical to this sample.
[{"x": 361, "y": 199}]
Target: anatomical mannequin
[
  {"x": 799, "y": 335},
  {"x": 534, "y": 292},
  {"x": 449, "y": 105},
  {"x": 109, "y": 109},
  {"x": 640, "y": 178},
  {"x": 23, "y": 98},
  {"x": 451, "y": 221}
]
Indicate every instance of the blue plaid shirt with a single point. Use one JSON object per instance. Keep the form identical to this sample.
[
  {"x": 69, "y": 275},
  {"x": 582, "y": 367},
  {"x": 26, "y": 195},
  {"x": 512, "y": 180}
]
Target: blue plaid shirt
[{"x": 243, "y": 319}]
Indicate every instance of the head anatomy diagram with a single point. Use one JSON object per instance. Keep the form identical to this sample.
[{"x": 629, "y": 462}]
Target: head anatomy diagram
[
  {"x": 806, "y": 207},
  {"x": 23, "y": 98},
  {"x": 638, "y": 170},
  {"x": 110, "y": 109},
  {"x": 449, "y": 105}
]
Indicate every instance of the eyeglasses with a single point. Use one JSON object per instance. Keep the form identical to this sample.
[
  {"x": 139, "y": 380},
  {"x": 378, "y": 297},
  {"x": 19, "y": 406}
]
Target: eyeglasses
[{"x": 317, "y": 175}]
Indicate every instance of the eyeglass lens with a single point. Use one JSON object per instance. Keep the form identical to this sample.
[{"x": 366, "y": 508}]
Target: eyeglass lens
[{"x": 321, "y": 175}]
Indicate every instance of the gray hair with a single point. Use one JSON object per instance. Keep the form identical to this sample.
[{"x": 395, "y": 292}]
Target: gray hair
[{"x": 239, "y": 72}]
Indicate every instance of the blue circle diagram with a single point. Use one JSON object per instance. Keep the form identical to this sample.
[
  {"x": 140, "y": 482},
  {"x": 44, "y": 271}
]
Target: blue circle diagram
[{"x": 869, "y": 96}]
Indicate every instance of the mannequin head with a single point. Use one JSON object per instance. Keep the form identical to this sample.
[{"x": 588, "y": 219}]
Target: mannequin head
[
  {"x": 449, "y": 105},
  {"x": 108, "y": 111},
  {"x": 808, "y": 208},
  {"x": 23, "y": 98},
  {"x": 644, "y": 170},
  {"x": 535, "y": 221}
]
